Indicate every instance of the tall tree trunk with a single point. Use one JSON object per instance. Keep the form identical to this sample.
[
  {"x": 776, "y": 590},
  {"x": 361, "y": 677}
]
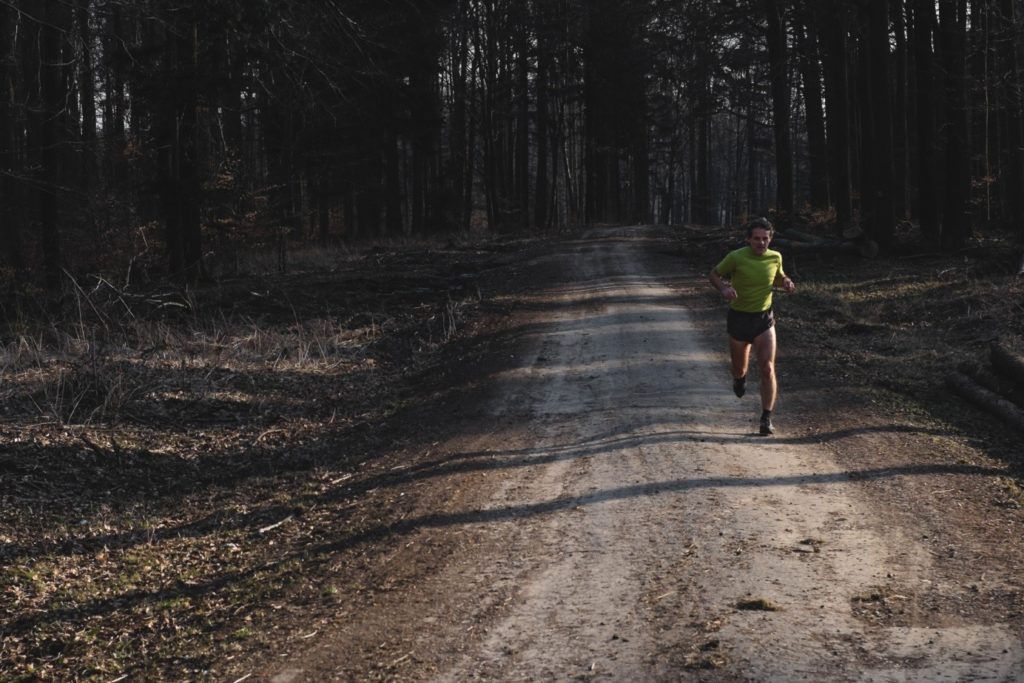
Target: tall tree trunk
[
  {"x": 70, "y": 117},
  {"x": 188, "y": 142},
  {"x": 368, "y": 196},
  {"x": 53, "y": 92},
  {"x": 231, "y": 97},
  {"x": 542, "y": 191},
  {"x": 323, "y": 203},
  {"x": 927, "y": 193},
  {"x": 816, "y": 148},
  {"x": 278, "y": 134},
  {"x": 467, "y": 191},
  {"x": 641, "y": 165},
  {"x": 696, "y": 215},
  {"x": 1012, "y": 178},
  {"x": 170, "y": 164},
  {"x": 393, "y": 189},
  {"x": 702, "y": 203},
  {"x": 485, "y": 56},
  {"x": 522, "y": 137},
  {"x": 753, "y": 201},
  {"x": 10, "y": 224},
  {"x": 864, "y": 135},
  {"x": 180, "y": 163},
  {"x": 418, "y": 189},
  {"x": 979, "y": 106},
  {"x": 832, "y": 18},
  {"x": 878, "y": 149},
  {"x": 87, "y": 93},
  {"x": 955, "y": 219},
  {"x": 596, "y": 146},
  {"x": 459, "y": 153},
  {"x": 30, "y": 44},
  {"x": 777, "y": 56},
  {"x": 423, "y": 90},
  {"x": 901, "y": 134},
  {"x": 116, "y": 60}
]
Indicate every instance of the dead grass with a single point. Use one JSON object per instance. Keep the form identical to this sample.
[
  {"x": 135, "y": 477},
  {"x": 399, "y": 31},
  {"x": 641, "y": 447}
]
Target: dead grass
[
  {"x": 173, "y": 462},
  {"x": 192, "y": 480}
]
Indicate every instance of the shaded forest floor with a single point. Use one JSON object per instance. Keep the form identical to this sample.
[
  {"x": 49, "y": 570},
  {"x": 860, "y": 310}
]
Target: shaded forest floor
[{"x": 191, "y": 484}]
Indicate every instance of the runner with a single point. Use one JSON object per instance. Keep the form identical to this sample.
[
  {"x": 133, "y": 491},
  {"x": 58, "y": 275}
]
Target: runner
[{"x": 745, "y": 278}]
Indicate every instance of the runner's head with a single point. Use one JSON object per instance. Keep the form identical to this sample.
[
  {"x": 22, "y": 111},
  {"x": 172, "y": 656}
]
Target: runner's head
[
  {"x": 759, "y": 235},
  {"x": 759, "y": 223}
]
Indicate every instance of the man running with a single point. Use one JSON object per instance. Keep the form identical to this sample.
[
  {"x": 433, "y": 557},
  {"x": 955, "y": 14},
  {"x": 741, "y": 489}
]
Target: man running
[{"x": 745, "y": 278}]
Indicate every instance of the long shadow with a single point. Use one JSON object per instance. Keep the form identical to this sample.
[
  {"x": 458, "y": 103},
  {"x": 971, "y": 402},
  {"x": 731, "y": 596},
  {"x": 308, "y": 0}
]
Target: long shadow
[
  {"x": 223, "y": 470},
  {"x": 435, "y": 521},
  {"x": 135, "y": 473},
  {"x": 172, "y": 476},
  {"x": 483, "y": 461},
  {"x": 454, "y": 464}
]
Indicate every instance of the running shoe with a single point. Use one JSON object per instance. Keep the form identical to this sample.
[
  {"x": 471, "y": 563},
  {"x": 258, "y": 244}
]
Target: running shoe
[
  {"x": 739, "y": 386},
  {"x": 767, "y": 428}
]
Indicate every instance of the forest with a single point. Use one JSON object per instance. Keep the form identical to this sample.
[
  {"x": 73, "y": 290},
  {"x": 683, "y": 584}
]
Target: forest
[
  {"x": 159, "y": 138},
  {"x": 277, "y": 279}
]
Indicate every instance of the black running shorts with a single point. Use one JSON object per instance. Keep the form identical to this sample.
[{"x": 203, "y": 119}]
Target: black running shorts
[{"x": 745, "y": 327}]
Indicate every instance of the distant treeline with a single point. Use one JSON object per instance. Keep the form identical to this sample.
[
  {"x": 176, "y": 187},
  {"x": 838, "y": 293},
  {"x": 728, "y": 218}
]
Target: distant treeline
[{"x": 172, "y": 132}]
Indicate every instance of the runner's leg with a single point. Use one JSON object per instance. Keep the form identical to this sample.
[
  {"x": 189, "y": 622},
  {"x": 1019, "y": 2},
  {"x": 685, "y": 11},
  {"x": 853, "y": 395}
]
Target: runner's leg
[
  {"x": 764, "y": 349},
  {"x": 740, "y": 353}
]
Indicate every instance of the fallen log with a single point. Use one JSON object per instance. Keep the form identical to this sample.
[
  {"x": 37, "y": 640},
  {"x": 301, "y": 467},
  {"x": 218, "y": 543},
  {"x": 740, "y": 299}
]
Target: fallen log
[
  {"x": 1007, "y": 363},
  {"x": 1000, "y": 385},
  {"x": 985, "y": 399},
  {"x": 867, "y": 248},
  {"x": 801, "y": 236}
]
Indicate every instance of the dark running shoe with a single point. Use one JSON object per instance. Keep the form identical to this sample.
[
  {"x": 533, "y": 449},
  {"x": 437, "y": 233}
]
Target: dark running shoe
[
  {"x": 767, "y": 428},
  {"x": 739, "y": 386}
]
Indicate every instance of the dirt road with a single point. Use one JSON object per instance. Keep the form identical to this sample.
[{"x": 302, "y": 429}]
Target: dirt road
[{"x": 636, "y": 527}]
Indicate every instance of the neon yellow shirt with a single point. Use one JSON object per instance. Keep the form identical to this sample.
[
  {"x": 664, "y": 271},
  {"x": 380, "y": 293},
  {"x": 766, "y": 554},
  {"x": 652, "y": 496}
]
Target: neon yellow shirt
[{"x": 752, "y": 277}]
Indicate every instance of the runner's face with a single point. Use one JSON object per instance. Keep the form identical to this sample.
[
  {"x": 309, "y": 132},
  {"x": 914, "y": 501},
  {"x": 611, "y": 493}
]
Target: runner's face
[{"x": 758, "y": 240}]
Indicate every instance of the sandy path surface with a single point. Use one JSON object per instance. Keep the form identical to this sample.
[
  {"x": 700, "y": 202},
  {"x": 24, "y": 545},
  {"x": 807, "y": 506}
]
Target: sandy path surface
[{"x": 648, "y": 533}]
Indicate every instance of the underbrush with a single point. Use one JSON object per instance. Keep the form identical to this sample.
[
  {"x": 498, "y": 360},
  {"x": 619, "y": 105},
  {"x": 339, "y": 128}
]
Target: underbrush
[
  {"x": 899, "y": 309},
  {"x": 77, "y": 381},
  {"x": 162, "y": 447},
  {"x": 890, "y": 330}
]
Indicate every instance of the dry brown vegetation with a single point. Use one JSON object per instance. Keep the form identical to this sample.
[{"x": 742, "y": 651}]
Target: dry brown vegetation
[
  {"x": 187, "y": 481},
  {"x": 160, "y": 449}
]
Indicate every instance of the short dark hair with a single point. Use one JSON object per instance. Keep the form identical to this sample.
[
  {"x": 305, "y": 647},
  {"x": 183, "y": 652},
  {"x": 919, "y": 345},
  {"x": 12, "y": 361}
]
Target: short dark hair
[{"x": 759, "y": 223}]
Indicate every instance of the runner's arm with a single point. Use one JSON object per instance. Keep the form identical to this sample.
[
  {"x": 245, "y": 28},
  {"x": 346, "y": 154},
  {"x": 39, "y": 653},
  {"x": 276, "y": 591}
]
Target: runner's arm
[
  {"x": 782, "y": 280},
  {"x": 723, "y": 287}
]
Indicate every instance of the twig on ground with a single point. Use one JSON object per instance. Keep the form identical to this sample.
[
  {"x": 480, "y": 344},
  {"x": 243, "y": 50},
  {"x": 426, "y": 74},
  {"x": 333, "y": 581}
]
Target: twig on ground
[
  {"x": 92, "y": 445},
  {"x": 275, "y": 524},
  {"x": 265, "y": 434},
  {"x": 401, "y": 659}
]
